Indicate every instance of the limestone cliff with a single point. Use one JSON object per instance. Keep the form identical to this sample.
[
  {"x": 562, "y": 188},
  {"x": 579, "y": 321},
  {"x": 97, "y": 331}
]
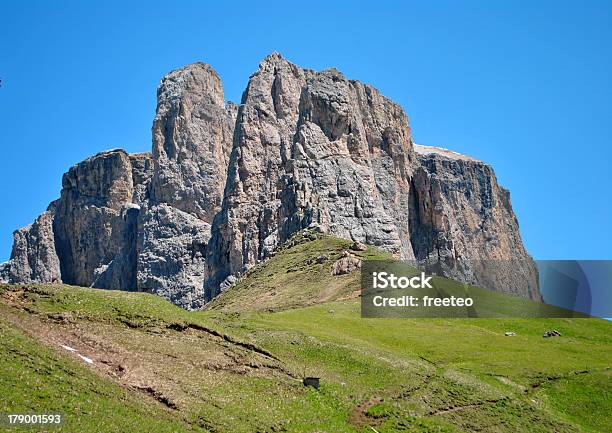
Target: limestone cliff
[
  {"x": 225, "y": 185},
  {"x": 463, "y": 226},
  {"x": 34, "y": 257},
  {"x": 312, "y": 148},
  {"x": 192, "y": 141}
]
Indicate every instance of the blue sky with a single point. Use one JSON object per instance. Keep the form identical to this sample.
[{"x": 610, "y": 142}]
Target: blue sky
[{"x": 524, "y": 86}]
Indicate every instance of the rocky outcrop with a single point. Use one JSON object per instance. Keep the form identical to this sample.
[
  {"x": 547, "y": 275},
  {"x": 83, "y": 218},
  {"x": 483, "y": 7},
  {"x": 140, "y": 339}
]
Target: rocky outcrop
[
  {"x": 346, "y": 264},
  {"x": 88, "y": 236},
  {"x": 312, "y": 148},
  {"x": 34, "y": 257},
  {"x": 225, "y": 185},
  {"x": 192, "y": 141},
  {"x": 172, "y": 254},
  {"x": 95, "y": 222},
  {"x": 463, "y": 225}
]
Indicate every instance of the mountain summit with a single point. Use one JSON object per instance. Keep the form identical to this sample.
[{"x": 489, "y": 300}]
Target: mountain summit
[{"x": 225, "y": 185}]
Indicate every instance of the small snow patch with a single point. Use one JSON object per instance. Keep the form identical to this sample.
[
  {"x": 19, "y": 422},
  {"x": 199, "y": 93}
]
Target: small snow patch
[
  {"x": 70, "y": 349},
  {"x": 424, "y": 150},
  {"x": 86, "y": 359}
]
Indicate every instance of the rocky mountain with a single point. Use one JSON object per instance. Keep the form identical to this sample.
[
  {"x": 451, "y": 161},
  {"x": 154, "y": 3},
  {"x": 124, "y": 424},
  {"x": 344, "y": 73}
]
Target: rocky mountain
[{"x": 226, "y": 184}]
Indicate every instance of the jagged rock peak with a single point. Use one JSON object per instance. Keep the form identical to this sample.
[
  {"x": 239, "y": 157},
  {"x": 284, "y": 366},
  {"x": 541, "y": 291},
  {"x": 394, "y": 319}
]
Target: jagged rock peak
[
  {"x": 312, "y": 147},
  {"x": 192, "y": 140},
  {"x": 197, "y": 78},
  {"x": 274, "y": 59},
  {"x": 33, "y": 257}
]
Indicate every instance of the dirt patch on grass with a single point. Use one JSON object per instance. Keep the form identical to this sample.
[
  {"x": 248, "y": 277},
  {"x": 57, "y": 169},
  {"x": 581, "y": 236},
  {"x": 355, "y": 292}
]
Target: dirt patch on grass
[
  {"x": 466, "y": 406},
  {"x": 359, "y": 414},
  {"x": 14, "y": 295},
  {"x": 548, "y": 379},
  {"x": 61, "y": 333}
]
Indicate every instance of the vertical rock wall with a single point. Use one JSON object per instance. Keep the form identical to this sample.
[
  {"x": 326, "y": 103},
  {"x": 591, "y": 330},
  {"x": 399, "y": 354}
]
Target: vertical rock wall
[
  {"x": 463, "y": 225},
  {"x": 312, "y": 148},
  {"x": 94, "y": 222},
  {"x": 33, "y": 257},
  {"x": 192, "y": 141}
]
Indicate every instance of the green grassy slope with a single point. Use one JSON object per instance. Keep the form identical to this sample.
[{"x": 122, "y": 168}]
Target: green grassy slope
[
  {"x": 36, "y": 379},
  {"x": 295, "y": 278},
  {"x": 236, "y": 367}
]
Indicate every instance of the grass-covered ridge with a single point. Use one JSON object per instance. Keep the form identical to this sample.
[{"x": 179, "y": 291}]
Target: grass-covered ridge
[
  {"x": 298, "y": 275},
  {"x": 159, "y": 368}
]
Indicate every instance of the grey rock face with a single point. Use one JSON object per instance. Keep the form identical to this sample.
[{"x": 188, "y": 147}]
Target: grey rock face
[
  {"x": 4, "y": 272},
  {"x": 192, "y": 141},
  {"x": 94, "y": 222},
  {"x": 33, "y": 257},
  {"x": 172, "y": 254},
  {"x": 249, "y": 225},
  {"x": 463, "y": 225},
  {"x": 225, "y": 185},
  {"x": 142, "y": 171},
  {"x": 351, "y": 162},
  {"x": 312, "y": 148}
]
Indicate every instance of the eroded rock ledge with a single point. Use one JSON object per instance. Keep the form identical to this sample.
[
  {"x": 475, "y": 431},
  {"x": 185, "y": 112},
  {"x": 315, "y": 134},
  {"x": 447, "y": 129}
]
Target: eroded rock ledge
[{"x": 226, "y": 184}]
